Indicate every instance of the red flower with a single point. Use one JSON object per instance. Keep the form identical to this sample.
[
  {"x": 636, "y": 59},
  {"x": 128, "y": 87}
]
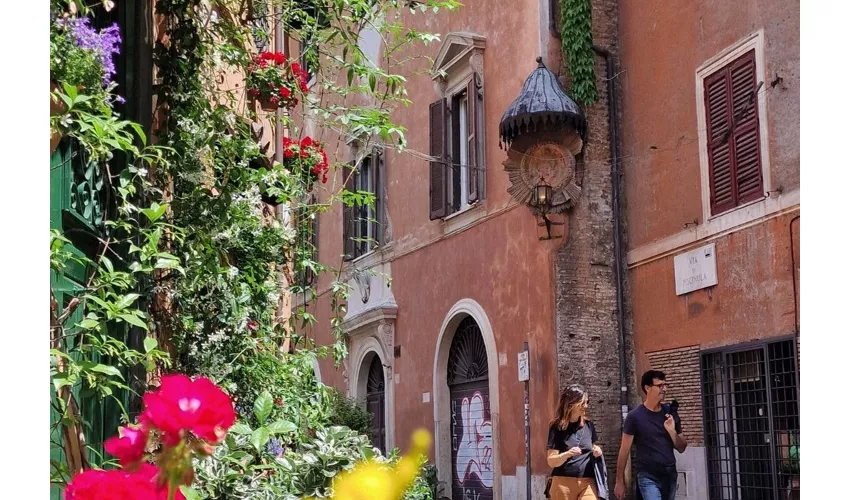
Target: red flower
[
  {"x": 129, "y": 448},
  {"x": 279, "y": 58},
  {"x": 304, "y": 87},
  {"x": 324, "y": 178},
  {"x": 119, "y": 485},
  {"x": 285, "y": 92},
  {"x": 288, "y": 153},
  {"x": 274, "y": 100},
  {"x": 183, "y": 405},
  {"x": 306, "y": 142},
  {"x": 287, "y": 142}
]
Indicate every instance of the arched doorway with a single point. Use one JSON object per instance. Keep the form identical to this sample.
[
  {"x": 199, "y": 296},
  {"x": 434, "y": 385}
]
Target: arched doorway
[
  {"x": 375, "y": 402},
  {"x": 471, "y": 428}
]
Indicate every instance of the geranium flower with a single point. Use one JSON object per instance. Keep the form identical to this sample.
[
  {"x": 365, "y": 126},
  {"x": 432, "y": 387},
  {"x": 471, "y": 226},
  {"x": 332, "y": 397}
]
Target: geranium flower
[
  {"x": 182, "y": 405},
  {"x": 129, "y": 446},
  {"x": 119, "y": 485}
]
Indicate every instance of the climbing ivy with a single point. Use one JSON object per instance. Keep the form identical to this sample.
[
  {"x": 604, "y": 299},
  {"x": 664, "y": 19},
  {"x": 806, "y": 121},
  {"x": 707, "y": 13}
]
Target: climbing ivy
[{"x": 577, "y": 45}]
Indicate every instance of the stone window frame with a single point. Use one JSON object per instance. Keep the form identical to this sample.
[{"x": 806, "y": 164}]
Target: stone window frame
[
  {"x": 461, "y": 56},
  {"x": 739, "y": 214}
]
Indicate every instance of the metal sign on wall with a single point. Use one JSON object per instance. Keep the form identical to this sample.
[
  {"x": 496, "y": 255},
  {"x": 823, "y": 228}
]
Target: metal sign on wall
[
  {"x": 522, "y": 362},
  {"x": 696, "y": 269}
]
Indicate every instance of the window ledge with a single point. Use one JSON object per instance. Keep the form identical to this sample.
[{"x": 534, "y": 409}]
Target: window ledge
[
  {"x": 465, "y": 217},
  {"x": 371, "y": 258},
  {"x": 730, "y": 221}
]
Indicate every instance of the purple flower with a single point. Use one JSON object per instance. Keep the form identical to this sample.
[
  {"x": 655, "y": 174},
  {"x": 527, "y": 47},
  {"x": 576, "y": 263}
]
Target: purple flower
[
  {"x": 103, "y": 45},
  {"x": 274, "y": 447}
]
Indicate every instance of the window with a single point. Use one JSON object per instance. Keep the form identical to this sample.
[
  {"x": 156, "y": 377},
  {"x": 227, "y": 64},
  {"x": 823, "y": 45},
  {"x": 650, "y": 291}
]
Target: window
[
  {"x": 363, "y": 224},
  {"x": 455, "y": 128},
  {"x": 732, "y": 134},
  {"x": 306, "y": 51},
  {"x": 752, "y": 421}
]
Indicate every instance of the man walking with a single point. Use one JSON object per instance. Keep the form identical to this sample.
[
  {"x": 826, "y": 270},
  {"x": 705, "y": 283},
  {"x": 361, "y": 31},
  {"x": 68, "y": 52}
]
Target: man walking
[{"x": 655, "y": 433}]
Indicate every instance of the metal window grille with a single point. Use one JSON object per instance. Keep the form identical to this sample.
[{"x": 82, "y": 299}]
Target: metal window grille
[{"x": 752, "y": 422}]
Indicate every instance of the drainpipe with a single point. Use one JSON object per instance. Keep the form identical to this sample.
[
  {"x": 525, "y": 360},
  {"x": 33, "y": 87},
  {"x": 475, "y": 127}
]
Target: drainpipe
[
  {"x": 614, "y": 152},
  {"x": 794, "y": 277}
]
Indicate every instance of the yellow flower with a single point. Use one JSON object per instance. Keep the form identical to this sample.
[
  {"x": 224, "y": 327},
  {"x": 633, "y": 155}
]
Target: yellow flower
[{"x": 370, "y": 480}]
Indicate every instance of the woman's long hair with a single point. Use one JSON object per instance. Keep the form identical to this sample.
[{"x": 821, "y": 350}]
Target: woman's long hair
[{"x": 571, "y": 397}]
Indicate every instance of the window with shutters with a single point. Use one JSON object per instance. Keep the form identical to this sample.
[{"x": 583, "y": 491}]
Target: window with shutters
[
  {"x": 363, "y": 224},
  {"x": 734, "y": 154},
  {"x": 456, "y": 126},
  {"x": 456, "y": 173}
]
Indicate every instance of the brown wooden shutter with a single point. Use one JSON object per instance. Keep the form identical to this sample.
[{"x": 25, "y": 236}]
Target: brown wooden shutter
[
  {"x": 439, "y": 177},
  {"x": 745, "y": 138},
  {"x": 473, "y": 174},
  {"x": 380, "y": 202},
  {"x": 734, "y": 153},
  {"x": 348, "y": 216}
]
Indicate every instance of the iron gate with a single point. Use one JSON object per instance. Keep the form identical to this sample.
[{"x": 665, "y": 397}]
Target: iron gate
[
  {"x": 375, "y": 403},
  {"x": 752, "y": 424},
  {"x": 471, "y": 427}
]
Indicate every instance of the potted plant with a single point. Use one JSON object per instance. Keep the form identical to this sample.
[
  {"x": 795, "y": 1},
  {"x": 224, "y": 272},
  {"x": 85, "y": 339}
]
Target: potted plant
[
  {"x": 274, "y": 81},
  {"x": 306, "y": 160}
]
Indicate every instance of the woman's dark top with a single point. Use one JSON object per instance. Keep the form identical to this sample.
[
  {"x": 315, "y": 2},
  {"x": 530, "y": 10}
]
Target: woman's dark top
[{"x": 573, "y": 435}]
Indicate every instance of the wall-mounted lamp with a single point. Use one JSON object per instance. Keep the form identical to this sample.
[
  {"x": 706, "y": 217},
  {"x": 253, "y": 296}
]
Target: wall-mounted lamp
[{"x": 541, "y": 197}]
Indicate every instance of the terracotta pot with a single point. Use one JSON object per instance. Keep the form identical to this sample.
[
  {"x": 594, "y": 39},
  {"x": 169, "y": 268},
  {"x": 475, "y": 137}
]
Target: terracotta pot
[{"x": 266, "y": 105}]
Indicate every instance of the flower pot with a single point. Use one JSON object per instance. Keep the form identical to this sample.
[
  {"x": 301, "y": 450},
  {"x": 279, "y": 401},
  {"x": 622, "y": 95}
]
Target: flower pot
[{"x": 267, "y": 105}]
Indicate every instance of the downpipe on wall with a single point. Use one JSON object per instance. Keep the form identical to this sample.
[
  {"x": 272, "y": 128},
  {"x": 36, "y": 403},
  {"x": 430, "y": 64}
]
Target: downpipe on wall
[{"x": 614, "y": 153}]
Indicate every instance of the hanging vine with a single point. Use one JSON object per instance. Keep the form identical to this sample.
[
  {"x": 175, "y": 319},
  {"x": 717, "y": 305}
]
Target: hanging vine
[{"x": 577, "y": 45}]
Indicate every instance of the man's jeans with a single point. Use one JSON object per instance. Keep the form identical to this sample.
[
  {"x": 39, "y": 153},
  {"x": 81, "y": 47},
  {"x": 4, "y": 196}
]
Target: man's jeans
[{"x": 657, "y": 486}]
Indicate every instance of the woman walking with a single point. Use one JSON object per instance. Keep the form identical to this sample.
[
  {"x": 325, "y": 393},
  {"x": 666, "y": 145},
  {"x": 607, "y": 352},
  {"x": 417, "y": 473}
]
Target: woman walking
[{"x": 576, "y": 460}]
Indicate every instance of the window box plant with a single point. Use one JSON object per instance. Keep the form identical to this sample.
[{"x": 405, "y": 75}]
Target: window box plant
[{"x": 275, "y": 81}]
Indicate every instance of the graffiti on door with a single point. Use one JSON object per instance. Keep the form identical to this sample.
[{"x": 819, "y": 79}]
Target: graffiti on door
[{"x": 472, "y": 445}]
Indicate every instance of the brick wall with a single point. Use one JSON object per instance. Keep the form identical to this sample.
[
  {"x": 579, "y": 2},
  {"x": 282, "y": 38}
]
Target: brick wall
[
  {"x": 682, "y": 369},
  {"x": 585, "y": 287}
]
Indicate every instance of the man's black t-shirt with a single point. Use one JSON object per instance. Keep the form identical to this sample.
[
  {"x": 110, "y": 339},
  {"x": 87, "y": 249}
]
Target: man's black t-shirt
[
  {"x": 653, "y": 446},
  {"x": 573, "y": 435}
]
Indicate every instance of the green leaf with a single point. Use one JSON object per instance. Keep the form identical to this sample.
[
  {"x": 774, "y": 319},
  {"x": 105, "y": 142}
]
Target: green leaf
[
  {"x": 155, "y": 211},
  {"x": 263, "y": 407},
  {"x": 150, "y": 344},
  {"x": 88, "y": 324},
  {"x": 100, "y": 368},
  {"x": 71, "y": 90},
  {"x": 282, "y": 427},
  {"x": 167, "y": 264},
  {"x": 127, "y": 300},
  {"x": 259, "y": 438},
  {"x": 140, "y": 132},
  {"x": 241, "y": 429},
  {"x": 190, "y": 494},
  {"x": 134, "y": 320}
]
